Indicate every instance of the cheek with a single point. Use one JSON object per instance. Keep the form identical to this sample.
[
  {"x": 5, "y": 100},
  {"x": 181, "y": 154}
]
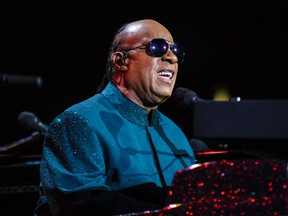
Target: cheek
[
  {"x": 143, "y": 70},
  {"x": 147, "y": 69}
]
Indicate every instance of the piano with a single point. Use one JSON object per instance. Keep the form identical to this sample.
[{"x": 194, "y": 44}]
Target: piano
[{"x": 228, "y": 187}]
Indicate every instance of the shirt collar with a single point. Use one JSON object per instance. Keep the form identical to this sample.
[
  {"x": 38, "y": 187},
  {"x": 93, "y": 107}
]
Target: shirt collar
[{"x": 128, "y": 109}]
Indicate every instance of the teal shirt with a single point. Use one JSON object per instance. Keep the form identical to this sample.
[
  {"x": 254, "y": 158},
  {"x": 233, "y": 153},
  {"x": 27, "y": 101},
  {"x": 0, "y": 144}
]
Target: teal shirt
[{"x": 106, "y": 143}]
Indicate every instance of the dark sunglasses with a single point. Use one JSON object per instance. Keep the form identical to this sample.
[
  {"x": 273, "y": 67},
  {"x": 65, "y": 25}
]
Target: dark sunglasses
[{"x": 158, "y": 47}]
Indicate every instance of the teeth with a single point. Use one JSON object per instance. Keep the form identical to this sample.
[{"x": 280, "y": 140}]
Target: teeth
[{"x": 167, "y": 74}]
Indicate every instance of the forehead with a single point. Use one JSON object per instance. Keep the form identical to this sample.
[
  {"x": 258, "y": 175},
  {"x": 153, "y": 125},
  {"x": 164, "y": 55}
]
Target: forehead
[{"x": 144, "y": 32}]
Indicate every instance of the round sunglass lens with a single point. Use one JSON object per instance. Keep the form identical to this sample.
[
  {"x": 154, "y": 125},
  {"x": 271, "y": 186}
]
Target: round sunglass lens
[
  {"x": 158, "y": 47},
  {"x": 178, "y": 50}
]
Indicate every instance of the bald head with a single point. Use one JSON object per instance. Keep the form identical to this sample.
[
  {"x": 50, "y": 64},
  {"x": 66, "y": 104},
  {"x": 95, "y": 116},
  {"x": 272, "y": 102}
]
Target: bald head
[
  {"x": 146, "y": 26},
  {"x": 139, "y": 30}
]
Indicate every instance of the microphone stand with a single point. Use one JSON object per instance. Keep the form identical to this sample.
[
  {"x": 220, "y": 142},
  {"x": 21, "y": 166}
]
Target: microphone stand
[
  {"x": 15, "y": 152},
  {"x": 34, "y": 136}
]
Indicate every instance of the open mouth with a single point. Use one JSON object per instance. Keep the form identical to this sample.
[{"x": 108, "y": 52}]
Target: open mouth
[{"x": 166, "y": 74}]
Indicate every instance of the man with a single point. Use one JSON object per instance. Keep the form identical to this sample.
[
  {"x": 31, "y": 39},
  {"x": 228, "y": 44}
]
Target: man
[{"x": 115, "y": 153}]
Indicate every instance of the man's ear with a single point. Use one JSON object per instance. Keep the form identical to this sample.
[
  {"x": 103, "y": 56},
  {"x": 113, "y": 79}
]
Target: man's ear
[{"x": 119, "y": 60}]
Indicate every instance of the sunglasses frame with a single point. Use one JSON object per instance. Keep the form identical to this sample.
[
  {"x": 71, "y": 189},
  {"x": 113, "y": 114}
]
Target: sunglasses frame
[{"x": 162, "y": 45}]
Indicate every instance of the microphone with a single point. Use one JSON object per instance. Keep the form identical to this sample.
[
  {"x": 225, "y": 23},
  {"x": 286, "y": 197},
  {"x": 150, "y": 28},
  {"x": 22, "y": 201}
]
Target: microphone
[
  {"x": 21, "y": 79},
  {"x": 198, "y": 145},
  {"x": 186, "y": 98},
  {"x": 31, "y": 121}
]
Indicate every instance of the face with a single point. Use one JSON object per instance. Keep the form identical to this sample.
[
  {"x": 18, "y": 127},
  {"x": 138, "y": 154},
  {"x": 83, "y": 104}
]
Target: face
[{"x": 148, "y": 81}]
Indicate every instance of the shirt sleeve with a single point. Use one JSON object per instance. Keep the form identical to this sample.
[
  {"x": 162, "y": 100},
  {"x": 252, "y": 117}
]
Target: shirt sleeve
[{"x": 73, "y": 158}]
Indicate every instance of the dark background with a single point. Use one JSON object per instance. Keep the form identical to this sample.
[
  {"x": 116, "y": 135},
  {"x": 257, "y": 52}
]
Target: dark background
[
  {"x": 237, "y": 45},
  {"x": 240, "y": 46}
]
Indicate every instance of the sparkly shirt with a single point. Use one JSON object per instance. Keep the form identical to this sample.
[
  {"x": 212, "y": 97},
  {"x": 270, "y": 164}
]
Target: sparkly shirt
[{"x": 106, "y": 143}]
